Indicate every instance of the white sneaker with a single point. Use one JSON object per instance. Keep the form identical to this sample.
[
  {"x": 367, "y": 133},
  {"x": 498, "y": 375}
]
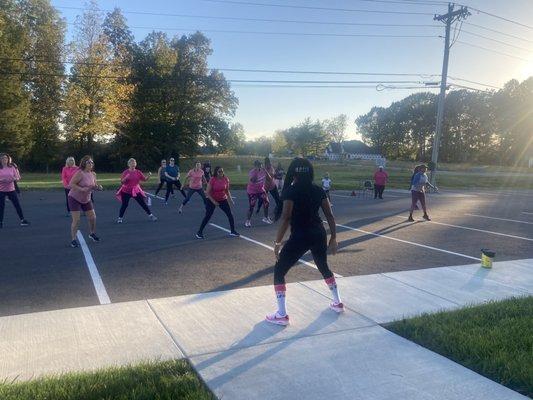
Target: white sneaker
[
  {"x": 337, "y": 307},
  {"x": 277, "y": 319},
  {"x": 119, "y": 220},
  {"x": 267, "y": 220},
  {"x": 152, "y": 217},
  {"x": 248, "y": 224}
]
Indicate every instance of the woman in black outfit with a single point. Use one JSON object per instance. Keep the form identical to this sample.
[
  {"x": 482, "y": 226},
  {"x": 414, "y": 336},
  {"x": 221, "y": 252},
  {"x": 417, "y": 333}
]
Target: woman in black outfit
[{"x": 302, "y": 200}]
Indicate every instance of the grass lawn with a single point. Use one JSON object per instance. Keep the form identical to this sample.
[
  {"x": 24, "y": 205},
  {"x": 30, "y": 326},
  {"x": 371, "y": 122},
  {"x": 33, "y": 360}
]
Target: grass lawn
[
  {"x": 163, "y": 380},
  {"x": 345, "y": 175},
  {"x": 494, "y": 339}
]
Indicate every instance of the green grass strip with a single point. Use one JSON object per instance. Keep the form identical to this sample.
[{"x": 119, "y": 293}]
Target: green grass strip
[
  {"x": 494, "y": 339},
  {"x": 162, "y": 380}
]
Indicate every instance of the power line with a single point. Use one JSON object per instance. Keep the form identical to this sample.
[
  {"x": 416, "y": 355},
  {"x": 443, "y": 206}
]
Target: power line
[
  {"x": 497, "y": 31},
  {"x": 491, "y": 50},
  {"x": 248, "y": 3},
  {"x": 497, "y": 41},
  {"x": 253, "y": 19},
  {"x": 474, "y": 82},
  {"x": 502, "y": 18}
]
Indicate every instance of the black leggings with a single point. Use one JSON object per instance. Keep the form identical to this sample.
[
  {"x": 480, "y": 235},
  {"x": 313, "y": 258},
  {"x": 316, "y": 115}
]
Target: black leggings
[
  {"x": 14, "y": 199},
  {"x": 277, "y": 199},
  {"x": 190, "y": 192},
  {"x": 126, "y": 200},
  {"x": 161, "y": 184},
  {"x": 170, "y": 185},
  {"x": 297, "y": 245},
  {"x": 210, "y": 209},
  {"x": 378, "y": 191},
  {"x": 66, "y": 197}
]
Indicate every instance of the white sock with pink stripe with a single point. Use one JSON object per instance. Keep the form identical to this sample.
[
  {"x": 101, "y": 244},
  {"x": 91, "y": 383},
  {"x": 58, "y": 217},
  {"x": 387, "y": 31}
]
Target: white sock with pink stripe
[
  {"x": 280, "y": 297},
  {"x": 332, "y": 285}
]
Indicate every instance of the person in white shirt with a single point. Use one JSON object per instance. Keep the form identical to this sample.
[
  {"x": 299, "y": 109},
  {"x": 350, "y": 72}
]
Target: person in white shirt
[{"x": 326, "y": 185}]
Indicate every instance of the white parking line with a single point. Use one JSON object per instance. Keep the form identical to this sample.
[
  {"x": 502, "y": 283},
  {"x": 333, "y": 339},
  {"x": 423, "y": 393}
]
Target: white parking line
[
  {"x": 368, "y": 196},
  {"x": 527, "y": 213},
  {"x": 409, "y": 242},
  {"x": 500, "y": 219},
  {"x": 309, "y": 264},
  {"x": 474, "y": 229},
  {"x": 95, "y": 275}
]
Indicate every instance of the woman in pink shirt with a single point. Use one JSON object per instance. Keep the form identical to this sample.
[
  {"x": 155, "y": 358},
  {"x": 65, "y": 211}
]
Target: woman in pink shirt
[
  {"x": 9, "y": 174},
  {"x": 256, "y": 191},
  {"x": 67, "y": 173},
  {"x": 131, "y": 188},
  {"x": 82, "y": 185},
  {"x": 218, "y": 194},
  {"x": 196, "y": 180},
  {"x": 380, "y": 180}
]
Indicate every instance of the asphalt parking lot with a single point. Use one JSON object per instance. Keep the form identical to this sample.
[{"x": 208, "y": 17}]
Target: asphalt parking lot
[{"x": 140, "y": 259}]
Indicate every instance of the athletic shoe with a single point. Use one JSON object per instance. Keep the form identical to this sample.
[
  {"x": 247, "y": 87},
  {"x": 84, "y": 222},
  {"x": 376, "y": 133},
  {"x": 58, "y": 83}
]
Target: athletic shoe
[
  {"x": 337, "y": 307},
  {"x": 180, "y": 210},
  {"x": 267, "y": 220},
  {"x": 94, "y": 237},
  {"x": 74, "y": 244},
  {"x": 410, "y": 219},
  {"x": 199, "y": 235},
  {"x": 277, "y": 319},
  {"x": 426, "y": 217},
  {"x": 23, "y": 222},
  {"x": 235, "y": 233},
  {"x": 248, "y": 224},
  {"x": 119, "y": 220},
  {"x": 152, "y": 217}
]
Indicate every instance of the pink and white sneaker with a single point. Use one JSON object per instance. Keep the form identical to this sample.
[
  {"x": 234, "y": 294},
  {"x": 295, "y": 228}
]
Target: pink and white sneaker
[
  {"x": 248, "y": 224},
  {"x": 277, "y": 319},
  {"x": 337, "y": 307}
]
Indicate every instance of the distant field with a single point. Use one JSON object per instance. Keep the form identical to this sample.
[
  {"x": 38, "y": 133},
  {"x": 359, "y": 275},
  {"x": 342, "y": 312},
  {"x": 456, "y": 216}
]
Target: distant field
[{"x": 345, "y": 175}]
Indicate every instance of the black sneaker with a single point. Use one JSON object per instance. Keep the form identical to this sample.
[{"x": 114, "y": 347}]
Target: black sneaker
[
  {"x": 199, "y": 235},
  {"x": 426, "y": 217},
  {"x": 94, "y": 237},
  {"x": 410, "y": 219},
  {"x": 235, "y": 233},
  {"x": 23, "y": 222},
  {"x": 74, "y": 244}
]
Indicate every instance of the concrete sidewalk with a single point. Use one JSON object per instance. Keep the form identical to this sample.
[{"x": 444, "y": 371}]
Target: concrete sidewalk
[{"x": 321, "y": 354}]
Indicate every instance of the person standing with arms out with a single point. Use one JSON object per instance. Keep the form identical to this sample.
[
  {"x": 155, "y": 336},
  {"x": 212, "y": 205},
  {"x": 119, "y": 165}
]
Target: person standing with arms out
[
  {"x": 270, "y": 187},
  {"x": 302, "y": 201},
  {"x": 67, "y": 173},
  {"x": 218, "y": 195},
  {"x": 256, "y": 190},
  {"x": 131, "y": 188},
  {"x": 380, "y": 180},
  {"x": 326, "y": 186},
  {"x": 82, "y": 184},
  {"x": 279, "y": 173},
  {"x": 196, "y": 180},
  {"x": 161, "y": 176},
  {"x": 9, "y": 175},
  {"x": 172, "y": 175},
  {"x": 418, "y": 192}
]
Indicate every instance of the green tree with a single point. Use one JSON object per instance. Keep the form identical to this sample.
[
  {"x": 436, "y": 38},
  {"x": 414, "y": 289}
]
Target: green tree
[{"x": 336, "y": 128}]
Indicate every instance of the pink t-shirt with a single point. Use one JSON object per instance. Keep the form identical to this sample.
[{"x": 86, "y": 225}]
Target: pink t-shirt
[
  {"x": 8, "y": 176},
  {"x": 219, "y": 188},
  {"x": 380, "y": 178},
  {"x": 130, "y": 181},
  {"x": 88, "y": 180},
  {"x": 195, "y": 178},
  {"x": 66, "y": 175},
  {"x": 257, "y": 181}
]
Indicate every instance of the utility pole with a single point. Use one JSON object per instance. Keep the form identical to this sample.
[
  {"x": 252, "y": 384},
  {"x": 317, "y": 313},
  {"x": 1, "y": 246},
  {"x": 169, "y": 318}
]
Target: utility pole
[{"x": 448, "y": 18}]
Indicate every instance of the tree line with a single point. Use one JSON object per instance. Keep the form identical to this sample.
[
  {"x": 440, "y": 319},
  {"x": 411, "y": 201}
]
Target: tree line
[
  {"x": 490, "y": 127},
  {"x": 103, "y": 93}
]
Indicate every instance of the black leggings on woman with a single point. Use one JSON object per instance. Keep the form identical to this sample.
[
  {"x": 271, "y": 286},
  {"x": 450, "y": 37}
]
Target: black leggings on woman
[
  {"x": 298, "y": 244},
  {"x": 170, "y": 185},
  {"x": 161, "y": 184},
  {"x": 210, "y": 209},
  {"x": 126, "y": 200},
  {"x": 277, "y": 199},
  {"x": 14, "y": 199}
]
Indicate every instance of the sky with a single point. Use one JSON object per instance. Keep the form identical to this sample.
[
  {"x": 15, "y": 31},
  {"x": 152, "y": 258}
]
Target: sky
[{"x": 263, "y": 110}]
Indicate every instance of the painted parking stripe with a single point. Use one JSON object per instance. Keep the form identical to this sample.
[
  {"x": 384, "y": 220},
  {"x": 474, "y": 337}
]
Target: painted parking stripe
[
  {"x": 347, "y": 195},
  {"x": 473, "y": 229},
  {"x": 309, "y": 264},
  {"x": 500, "y": 219},
  {"x": 527, "y": 213},
  {"x": 409, "y": 242},
  {"x": 101, "y": 292}
]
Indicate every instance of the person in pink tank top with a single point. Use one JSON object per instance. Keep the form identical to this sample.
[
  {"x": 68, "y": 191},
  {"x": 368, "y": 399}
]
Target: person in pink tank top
[
  {"x": 82, "y": 184},
  {"x": 9, "y": 175},
  {"x": 67, "y": 173},
  {"x": 218, "y": 195},
  {"x": 258, "y": 178},
  {"x": 196, "y": 180},
  {"x": 131, "y": 188}
]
